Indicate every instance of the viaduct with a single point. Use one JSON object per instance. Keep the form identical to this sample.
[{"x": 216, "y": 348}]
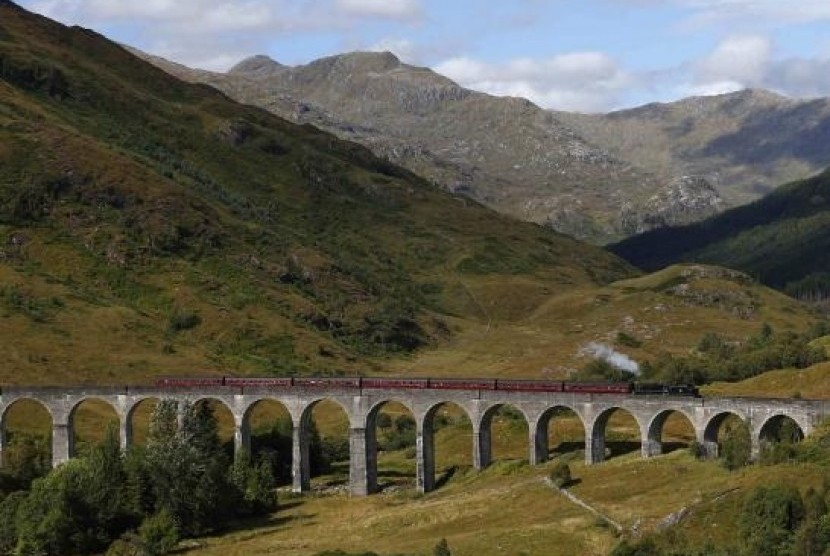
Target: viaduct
[{"x": 362, "y": 407}]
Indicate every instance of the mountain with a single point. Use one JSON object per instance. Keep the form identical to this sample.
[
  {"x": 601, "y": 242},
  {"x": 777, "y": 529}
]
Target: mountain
[
  {"x": 505, "y": 152},
  {"x": 598, "y": 177},
  {"x": 783, "y": 238},
  {"x": 151, "y": 226},
  {"x": 745, "y": 143}
]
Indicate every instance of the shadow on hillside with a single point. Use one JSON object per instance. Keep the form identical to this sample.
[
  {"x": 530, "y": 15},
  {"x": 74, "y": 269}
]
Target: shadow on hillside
[
  {"x": 445, "y": 478},
  {"x": 669, "y": 447},
  {"x": 620, "y": 448},
  {"x": 567, "y": 448}
]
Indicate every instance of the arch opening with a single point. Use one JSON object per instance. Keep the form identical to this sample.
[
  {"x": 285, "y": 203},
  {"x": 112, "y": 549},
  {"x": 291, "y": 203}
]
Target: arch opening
[
  {"x": 730, "y": 429},
  {"x": 27, "y": 441},
  {"x": 89, "y": 422},
  {"x": 668, "y": 431},
  {"x": 225, "y": 423},
  {"x": 447, "y": 444},
  {"x": 270, "y": 427},
  {"x": 777, "y": 439},
  {"x": 325, "y": 429},
  {"x": 781, "y": 429},
  {"x": 615, "y": 433},
  {"x": 504, "y": 427},
  {"x": 391, "y": 431},
  {"x": 560, "y": 433},
  {"x": 138, "y": 421}
]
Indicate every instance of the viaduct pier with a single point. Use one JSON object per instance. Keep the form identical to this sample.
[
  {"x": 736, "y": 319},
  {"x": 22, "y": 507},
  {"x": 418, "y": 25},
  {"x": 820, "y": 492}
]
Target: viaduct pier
[{"x": 362, "y": 406}]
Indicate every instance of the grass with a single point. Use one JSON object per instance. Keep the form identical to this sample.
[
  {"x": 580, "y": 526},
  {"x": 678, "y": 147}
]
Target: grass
[
  {"x": 508, "y": 509},
  {"x": 538, "y": 331},
  {"x": 813, "y": 382}
]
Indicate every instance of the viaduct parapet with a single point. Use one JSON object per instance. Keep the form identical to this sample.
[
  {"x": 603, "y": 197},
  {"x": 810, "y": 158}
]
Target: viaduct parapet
[{"x": 362, "y": 407}]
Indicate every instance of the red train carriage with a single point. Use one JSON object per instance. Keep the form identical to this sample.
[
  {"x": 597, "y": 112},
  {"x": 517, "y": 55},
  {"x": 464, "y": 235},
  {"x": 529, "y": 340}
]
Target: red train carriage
[
  {"x": 462, "y": 384},
  {"x": 597, "y": 387},
  {"x": 258, "y": 382},
  {"x": 188, "y": 382},
  {"x": 327, "y": 382},
  {"x": 407, "y": 383},
  {"x": 529, "y": 385}
]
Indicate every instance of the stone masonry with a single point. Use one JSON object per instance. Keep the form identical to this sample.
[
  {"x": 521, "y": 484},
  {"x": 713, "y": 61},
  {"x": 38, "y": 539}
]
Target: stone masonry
[{"x": 362, "y": 406}]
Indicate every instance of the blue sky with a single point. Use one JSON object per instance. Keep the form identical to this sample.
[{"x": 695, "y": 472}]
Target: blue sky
[{"x": 586, "y": 55}]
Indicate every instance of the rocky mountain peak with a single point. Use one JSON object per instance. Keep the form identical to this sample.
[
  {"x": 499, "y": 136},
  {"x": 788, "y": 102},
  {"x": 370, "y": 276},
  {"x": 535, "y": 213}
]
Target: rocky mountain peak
[
  {"x": 257, "y": 66},
  {"x": 363, "y": 62}
]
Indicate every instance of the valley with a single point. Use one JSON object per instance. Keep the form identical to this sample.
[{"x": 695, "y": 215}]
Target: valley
[{"x": 358, "y": 216}]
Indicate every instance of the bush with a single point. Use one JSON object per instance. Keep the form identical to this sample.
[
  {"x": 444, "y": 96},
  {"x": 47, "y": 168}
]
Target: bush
[
  {"x": 560, "y": 475},
  {"x": 627, "y": 340},
  {"x": 183, "y": 319},
  {"x": 769, "y": 519},
  {"x": 158, "y": 534},
  {"x": 442, "y": 549},
  {"x": 736, "y": 448}
]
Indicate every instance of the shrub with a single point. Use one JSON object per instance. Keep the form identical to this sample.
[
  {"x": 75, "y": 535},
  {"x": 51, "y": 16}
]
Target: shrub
[
  {"x": 736, "y": 448},
  {"x": 627, "y": 340},
  {"x": 158, "y": 534},
  {"x": 560, "y": 475},
  {"x": 696, "y": 450},
  {"x": 769, "y": 519},
  {"x": 442, "y": 549},
  {"x": 183, "y": 319}
]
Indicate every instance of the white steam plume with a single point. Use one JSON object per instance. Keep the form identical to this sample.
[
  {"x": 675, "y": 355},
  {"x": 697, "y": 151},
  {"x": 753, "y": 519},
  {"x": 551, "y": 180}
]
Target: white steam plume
[{"x": 612, "y": 356}]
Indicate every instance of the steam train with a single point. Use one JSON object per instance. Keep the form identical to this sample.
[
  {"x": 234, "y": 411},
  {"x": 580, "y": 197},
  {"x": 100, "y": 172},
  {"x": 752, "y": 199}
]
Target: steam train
[{"x": 504, "y": 385}]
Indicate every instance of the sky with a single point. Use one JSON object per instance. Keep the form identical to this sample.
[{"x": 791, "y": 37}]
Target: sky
[{"x": 576, "y": 55}]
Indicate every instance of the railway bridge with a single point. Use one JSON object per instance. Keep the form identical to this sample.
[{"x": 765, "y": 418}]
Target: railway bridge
[{"x": 362, "y": 406}]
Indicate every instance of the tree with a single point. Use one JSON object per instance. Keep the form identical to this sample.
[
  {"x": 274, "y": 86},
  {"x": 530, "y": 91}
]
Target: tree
[
  {"x": 769, "y": 519},
  {"x": 187, "y": 467},
  {"x": 736, "y": 448},
  {"x": 254, "y": 484}
]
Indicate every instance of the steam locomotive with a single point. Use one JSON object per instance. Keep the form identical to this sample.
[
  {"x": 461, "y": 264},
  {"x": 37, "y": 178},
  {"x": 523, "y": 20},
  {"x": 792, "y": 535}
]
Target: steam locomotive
[{"x": 504, "y": 385}]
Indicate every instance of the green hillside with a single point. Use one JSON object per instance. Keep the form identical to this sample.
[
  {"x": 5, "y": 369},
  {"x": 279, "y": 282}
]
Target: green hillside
[
  {"x": 153, "y": 226},
  {"x": 780, "y": 239}
]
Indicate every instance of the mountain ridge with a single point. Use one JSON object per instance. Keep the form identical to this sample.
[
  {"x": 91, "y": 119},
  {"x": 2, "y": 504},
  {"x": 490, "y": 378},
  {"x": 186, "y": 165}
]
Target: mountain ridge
[
  {"x": 596, "y": 177},
  {"x": 505, "y": 152}
]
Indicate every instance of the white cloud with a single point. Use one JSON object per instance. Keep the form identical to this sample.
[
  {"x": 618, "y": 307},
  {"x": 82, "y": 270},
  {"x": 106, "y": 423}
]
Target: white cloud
[
  {"x": 771, "y": 10},
  {"x": 741, "y": 59},
  {"x": 395, "y": 9},
  {"x": 583, "y": 81},
  {"x": 404, "y": 49}
]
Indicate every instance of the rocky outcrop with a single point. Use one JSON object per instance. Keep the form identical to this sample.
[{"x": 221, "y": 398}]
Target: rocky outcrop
[{"x": 684, "y": 200}]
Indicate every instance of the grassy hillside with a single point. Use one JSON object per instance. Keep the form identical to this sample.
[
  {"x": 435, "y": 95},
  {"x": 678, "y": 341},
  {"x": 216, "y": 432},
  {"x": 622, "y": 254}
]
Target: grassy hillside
[
  {"x": 780, "y": 239},
  {"x": 151, "y": 226},
  {"x": 542, "y": 331}
]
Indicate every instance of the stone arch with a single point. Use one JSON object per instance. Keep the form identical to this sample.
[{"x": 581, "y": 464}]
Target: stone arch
[
  {"x": 541, "y": 431},
  {"x": 278, "y": 441},
  {"x": 595, "y": 449},
  {"x": 302, "y": 440},
  {"x": 711, "y": 430},
  {"x": 139, "y": 409},
  {"x": 426, "y": 476},
  {"x": 485, "y": 428},
  {"x": 73, "y": 422},
  {"x": 226, "y": 420},
  {"x": 36, "y": 428},
  {"x": 372, "y": 445},
  {"x": 653, "y": 446},
  {"x": 776, "y": 427}
]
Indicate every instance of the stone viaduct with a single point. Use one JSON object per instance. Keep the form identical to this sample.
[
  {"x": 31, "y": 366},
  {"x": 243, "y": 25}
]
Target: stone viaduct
[{"x": 362, "y": 407}]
